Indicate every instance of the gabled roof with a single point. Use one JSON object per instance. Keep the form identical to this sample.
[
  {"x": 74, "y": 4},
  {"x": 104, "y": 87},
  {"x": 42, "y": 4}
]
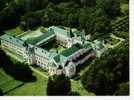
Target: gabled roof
[
  {"x": 44, "y": 37},
  {"x": 60, "y": 31},
  {"x": 70, "y": 51},
  {"x": 60, "y": 59},
  {"x": 14, "y": 40},
  {"x": 49, "y": 35}
]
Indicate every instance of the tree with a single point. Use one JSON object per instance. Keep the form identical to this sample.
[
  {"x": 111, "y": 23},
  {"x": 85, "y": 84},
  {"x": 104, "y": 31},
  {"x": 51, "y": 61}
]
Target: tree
[
  {"x": 22, "y": 72},
  {"x": 28, "y": 4},
  {"x": 1, "y": 93},
  {"x": 10, "y": 16},
  {"x": 107, "y": 72},
  {"x": 5, "y": 60},
  {"x": 2, "y": 4},
  {"x": 45, "y": 20},
  {"x": 112, "y": 8},
  {"x": 123, "y": 89},
  {"x": 102, "y": 25},
  {"x": 94, "y": 21},
  {"x": 73, "y": 20},
  {"x": 74, "y": 93},
  {"x": 55, "y": 18},
  {"x": 38, "y": 4},
  {"x": 30, "y": 21},
  {"x": 88, "y": 2},
  {"x": 86, "y": 20},
  {"x": 58, "y": 85},
  {"x": 17, "y": 70},
  {"x": 59, "y": 1}
]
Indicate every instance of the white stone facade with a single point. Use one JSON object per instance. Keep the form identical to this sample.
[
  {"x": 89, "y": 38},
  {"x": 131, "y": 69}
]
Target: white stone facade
[{"x": 33, "y": 54}]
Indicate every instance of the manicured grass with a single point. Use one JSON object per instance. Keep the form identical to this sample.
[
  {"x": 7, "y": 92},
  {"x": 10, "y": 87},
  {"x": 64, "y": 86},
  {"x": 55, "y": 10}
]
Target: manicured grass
[
  {"x": 10, "y": 85},
  {"x": 7, "y": 83},
  {"x": 3, "y": 77},
  {"x": 76, "y": 86},
  {"x": 59, "y": 49},
  {"x": 14, "y": 32},
  {"x": 37, "y": 88}
]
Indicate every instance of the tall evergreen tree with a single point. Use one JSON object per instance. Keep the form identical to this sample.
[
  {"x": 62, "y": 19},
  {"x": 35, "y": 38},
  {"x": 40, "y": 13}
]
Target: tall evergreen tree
[{"x": 58, "y": 85}]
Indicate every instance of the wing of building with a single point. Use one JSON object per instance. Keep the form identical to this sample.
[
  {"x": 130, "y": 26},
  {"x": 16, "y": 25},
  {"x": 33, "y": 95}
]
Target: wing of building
[{"x": 78, "y": 50}]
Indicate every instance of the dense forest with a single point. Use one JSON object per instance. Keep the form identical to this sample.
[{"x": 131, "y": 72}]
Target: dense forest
[
  {"x": 91, "y": 15},
  {"x": 107, "y": 75}
]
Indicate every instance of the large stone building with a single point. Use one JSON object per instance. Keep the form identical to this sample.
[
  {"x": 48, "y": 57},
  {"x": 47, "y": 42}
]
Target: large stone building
[{"x": 78, "y": 50}]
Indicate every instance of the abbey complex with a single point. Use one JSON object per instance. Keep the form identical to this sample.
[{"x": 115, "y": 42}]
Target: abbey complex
[{"x": 40, "y": 51}]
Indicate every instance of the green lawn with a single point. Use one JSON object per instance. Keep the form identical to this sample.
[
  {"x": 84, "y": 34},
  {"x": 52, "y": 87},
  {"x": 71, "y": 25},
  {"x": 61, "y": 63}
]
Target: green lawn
[
  {"x": 37, "y": 88},
  {"x": 59, "y": 49},
  {"x": 7, "y": 83},
  {"x": 12, "y": 87},
  {"x": 14, "y": 32},
  {"x": 76, "y": 86}
]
